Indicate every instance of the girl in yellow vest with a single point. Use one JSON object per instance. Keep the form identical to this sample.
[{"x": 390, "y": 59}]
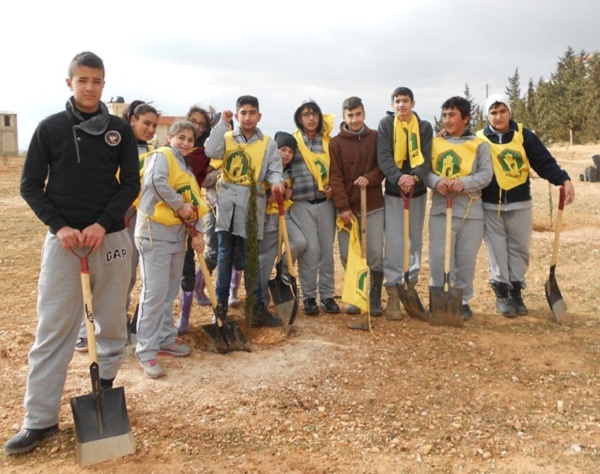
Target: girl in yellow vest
[
  {"x": 460, "y": 168},
  {"x": 169, "y": 195}
]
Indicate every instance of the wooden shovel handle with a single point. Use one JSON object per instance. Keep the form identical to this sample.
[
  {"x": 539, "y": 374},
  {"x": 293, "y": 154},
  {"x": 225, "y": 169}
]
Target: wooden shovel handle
[
  {"x": 207, "y": 280},
  {"x": 191, "y": 226},
  {"x": 448, "y": 245},
  {"x": 363, "y": 222},
  {"x": 559, "y": 219},
  {"x": 86, "y": 289},
  {"x": 406, "y": 200},
  {"x": 283, "y": 233}
]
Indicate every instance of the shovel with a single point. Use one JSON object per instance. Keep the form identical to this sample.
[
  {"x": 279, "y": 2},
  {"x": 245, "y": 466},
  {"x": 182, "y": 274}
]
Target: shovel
[
  {"x": 445, "y": 302},
  {"x": 409, "y": 296},
  {"x": 226, "y": 335},
  {"x": 365, "y": 324},
  {"x": 284, "y": 289},
  {"x": 101, "y": 422},
  {"x": 553, "y": 295}
]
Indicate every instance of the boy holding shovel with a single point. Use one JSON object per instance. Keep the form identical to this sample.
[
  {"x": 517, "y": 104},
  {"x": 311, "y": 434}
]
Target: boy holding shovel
[
  {"x": 404, "y": 156},
  {"x": 460, "y": 168},
  {"x": 353, "y": 153},
  {"x": 70, "y": 182},
  {"x": 507, "y": 200}
]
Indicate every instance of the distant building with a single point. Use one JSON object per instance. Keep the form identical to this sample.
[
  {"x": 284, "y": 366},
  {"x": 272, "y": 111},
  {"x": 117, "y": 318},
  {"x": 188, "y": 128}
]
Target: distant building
[
  {"x": 117, "y": 106},
  {"x": 9, "y": 143}
]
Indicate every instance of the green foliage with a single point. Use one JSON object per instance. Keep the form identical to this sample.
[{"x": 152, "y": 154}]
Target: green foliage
[
  {"x": 477, "y": 119},
  {"x": 568, "y": 101}
]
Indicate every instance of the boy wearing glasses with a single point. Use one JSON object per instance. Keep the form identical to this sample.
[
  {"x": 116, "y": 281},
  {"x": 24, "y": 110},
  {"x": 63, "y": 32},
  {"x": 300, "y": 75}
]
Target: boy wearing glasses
[{"x": 313, "y": 211}]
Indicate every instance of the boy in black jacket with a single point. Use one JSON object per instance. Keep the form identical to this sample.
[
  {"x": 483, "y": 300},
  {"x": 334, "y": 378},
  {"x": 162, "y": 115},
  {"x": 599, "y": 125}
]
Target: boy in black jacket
[
  {"x": 507, "y": 200},
  {"x": 81, "y": 174}
]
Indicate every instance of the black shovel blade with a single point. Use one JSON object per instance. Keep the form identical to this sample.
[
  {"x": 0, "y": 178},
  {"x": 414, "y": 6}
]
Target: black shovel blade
[
  {"x": 445, "y": 306},
  {"x": 214, "y": 333},
  {"x": 227, "y": 336},
  {"x": 412, "y": 303},
  {"x": 101, "y": 416},
  {"x": 284, "y": 293},
  {"x": 554, "y": 297}
]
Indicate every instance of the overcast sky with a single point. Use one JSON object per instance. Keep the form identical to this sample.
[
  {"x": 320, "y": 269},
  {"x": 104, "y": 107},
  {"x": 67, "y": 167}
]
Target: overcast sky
[{"x": 180, "y": 53}]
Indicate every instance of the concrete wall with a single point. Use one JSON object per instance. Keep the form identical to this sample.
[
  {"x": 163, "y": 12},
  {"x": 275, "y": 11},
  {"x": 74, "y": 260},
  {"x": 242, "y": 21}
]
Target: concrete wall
[{"x": 9, "y": 143}]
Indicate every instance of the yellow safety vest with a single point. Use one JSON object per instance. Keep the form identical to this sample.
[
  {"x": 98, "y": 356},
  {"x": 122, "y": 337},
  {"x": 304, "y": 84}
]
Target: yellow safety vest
[
  {"x": 238, "y": 158},
  {"x": 451, "y": 160},
  {"x": 509, "y": 160},
  {"x": 184, "y": 183}
]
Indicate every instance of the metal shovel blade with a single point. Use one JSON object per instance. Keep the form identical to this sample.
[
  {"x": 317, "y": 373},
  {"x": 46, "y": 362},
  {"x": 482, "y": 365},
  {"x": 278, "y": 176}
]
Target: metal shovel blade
[
  {"x": 554, "y": 297},
  {"x": 102, "y": 427},
  {"x": 412, "y": 303},
  {"x": 227, "y": 336},
  {"x": 285, "y": 295},
  {"x": 445, "y": 306}
]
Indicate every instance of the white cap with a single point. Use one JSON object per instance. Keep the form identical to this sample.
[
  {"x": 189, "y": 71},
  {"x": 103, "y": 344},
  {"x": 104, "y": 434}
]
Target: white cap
[{"x": 495, "y": 99}]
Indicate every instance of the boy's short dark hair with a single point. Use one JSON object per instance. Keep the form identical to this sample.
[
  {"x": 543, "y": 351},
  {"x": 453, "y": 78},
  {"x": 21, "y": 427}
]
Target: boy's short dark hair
[
  {"x": 246, "y": 100},
  {"x": 308, "y": 106},
  {"x": 352, "y": 103},
  {"x": 459, "y": 103},
  {"x": 87, "y": 59},
  {"x": 403, "y": 91}
]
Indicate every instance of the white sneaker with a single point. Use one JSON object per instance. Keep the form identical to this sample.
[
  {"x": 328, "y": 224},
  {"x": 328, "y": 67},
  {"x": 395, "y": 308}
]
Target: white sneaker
[
  {"x": 176, "y": 349},
  {"x": 152, "y": 368}
]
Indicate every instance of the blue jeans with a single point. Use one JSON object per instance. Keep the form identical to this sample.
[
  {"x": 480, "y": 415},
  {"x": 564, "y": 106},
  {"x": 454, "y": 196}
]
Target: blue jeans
[{"x": 232, "y": 248}]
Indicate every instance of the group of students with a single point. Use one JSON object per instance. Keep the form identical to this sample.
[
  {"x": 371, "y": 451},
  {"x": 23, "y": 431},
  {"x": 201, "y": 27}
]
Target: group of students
[{"x": 83, "y": 171}]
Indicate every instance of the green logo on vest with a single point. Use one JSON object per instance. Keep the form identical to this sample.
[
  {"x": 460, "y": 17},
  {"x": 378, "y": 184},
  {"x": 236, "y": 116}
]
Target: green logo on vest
[
  {"x": 361, "y": 280},
  {"x": 237, "y": 166},
  {"x": 448, "y": 164},
  {"x": 322, "y": 168},
  {"x": 187, "y": 194},
  {"x": 511, "y": 162}
]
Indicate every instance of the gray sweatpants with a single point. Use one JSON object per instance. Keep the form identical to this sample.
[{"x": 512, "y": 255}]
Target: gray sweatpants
[
  {"x": 393, "y": 263},
  {"x": 507, "y": 237},
  {"x": 59, "y": 309},
  {"x": 466, "y": 235},
  {"x": 375, "y": 221},
  {"x": 315, "y": 259},
  {"x": 134, "y": 263},
  {"x": 161, "y": 264}
]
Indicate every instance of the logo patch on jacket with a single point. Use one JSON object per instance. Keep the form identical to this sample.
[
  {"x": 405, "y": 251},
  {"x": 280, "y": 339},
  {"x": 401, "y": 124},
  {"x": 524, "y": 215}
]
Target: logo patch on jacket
[{"x": 112, "y": 137}]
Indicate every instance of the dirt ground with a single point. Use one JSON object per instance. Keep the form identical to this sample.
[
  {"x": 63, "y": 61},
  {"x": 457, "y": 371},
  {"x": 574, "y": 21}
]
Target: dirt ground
[{"x": 499, "y": 395}]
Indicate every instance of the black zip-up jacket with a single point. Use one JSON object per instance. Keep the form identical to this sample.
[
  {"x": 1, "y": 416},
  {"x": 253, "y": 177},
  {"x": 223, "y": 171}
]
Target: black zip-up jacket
[
  {"x": 387, "y": 163},
  {"x": 70, "y": 173},
  {"x": 540, "y": 160}
]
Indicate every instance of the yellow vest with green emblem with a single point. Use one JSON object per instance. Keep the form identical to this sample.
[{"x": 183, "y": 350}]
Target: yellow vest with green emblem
[
  {"x": 452, "y": 160},
  {"x": 509, "y": 160},
  {"x": 184, "y": 183},
  {"x": 238, "y": 158},
  {"x": 318, "y": 163}
]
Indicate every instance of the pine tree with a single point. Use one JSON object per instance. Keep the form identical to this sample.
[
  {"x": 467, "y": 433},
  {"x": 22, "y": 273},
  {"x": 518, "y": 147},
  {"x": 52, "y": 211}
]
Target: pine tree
[
  {"x": 513, "y": 91},
  {"x": 477, "y": 120}
]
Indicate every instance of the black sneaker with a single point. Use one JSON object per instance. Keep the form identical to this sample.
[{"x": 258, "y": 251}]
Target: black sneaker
[
  {"x": 27, "y": 439},
  {"x": 310, "y": 306},
  {"x": 82, "y": 344},
  {"x": 466, "y": 312},
  {"x": 262, "y": 318},
  {"x": 330, "y": 306}
]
